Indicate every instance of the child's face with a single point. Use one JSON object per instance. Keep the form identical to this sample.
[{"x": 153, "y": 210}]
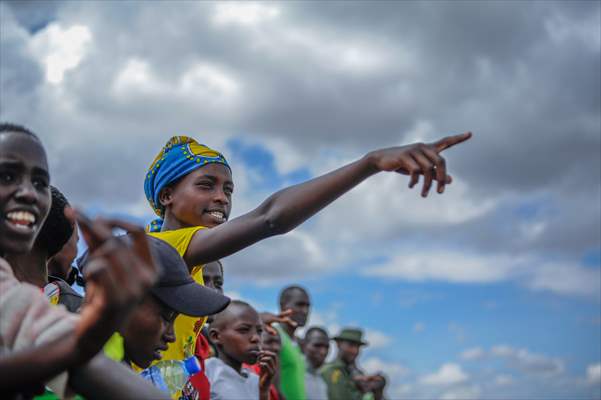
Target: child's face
[
  {"x": 148, "y": 331},
  {"x": 240, "y": 337},
  {"x": 271, "y": 342},
  {"x": 24, "y": 191},
  {"x": 213, "y": 276},
  {"x": 203, "y": 197},
  {"x": 316, "y": 348},
  {"x": 60, "y": 264}
]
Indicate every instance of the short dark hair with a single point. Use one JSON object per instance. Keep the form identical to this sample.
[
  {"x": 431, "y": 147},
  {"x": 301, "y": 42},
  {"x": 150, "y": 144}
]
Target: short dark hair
[
  {"x": 57, "y": 229},
  {"x": 316, "y": 329},
  {"x": 220, "y": 319},
  {"x": 286, "y": 293},
  {"x": 10, "y": 127}
]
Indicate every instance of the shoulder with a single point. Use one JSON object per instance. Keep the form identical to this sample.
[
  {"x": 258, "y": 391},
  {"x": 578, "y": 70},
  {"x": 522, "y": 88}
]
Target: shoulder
[
  {"x": 331, "y": 371},
  {"x": 178, "y": 238}
]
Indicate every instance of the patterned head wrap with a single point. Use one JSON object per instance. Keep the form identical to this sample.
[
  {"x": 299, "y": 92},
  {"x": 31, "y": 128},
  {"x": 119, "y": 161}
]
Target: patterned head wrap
[{"x": 180, "y": 156}]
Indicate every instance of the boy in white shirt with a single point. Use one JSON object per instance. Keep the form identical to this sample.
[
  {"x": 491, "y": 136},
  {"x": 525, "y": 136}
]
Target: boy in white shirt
[{"x": 236, "y": 332}]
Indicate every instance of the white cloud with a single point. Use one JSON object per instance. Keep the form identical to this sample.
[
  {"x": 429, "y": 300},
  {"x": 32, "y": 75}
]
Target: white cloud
[
  {"x": 503, "y": 380},
  {"x": 529, "y": 362},
  {"x": 474, "y": 353},
  {"x": 462, "y": 393},
  {"x": 593, "y": 374},
  {"x": 208, "y": 81},
  {"x": 565, "y": 278},
  {"x": 393, "y": 371},
  {"x": 443, "y": 265},
  {"x": 61, "y": 49},
  {"x": 377, "y": 339},
  {"x": 247, "y": 14},
  {"x": 419, "y": 327},
  {"x": 448, "y": 374},
  {"x": 137, "y": 77}
]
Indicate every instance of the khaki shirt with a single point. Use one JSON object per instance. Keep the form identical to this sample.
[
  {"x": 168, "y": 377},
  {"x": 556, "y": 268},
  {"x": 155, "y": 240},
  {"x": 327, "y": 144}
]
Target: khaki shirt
[{"x": 340, "y": 382}]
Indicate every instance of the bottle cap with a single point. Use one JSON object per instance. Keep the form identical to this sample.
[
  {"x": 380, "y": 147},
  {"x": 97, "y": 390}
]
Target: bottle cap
[{"x": 192, "y": 365}]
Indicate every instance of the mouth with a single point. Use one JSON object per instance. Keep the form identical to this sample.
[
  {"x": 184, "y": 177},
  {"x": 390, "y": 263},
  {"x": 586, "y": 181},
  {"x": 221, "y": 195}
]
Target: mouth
[
  {"x": 21, "y": 221},
  {"x": 157, "y": 355},
  {"x": 217, "y": 215}
]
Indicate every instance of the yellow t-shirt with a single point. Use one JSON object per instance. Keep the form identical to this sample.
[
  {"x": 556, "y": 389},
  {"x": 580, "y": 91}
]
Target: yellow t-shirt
[{"x": 186, "y": 328}]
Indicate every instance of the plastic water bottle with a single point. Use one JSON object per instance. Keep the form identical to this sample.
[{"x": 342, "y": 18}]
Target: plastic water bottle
[
  {"x": 175, "y": 373},
  {"x": 153, "y": 374}
]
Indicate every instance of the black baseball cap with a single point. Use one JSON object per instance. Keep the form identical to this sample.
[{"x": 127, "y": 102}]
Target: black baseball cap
[{"x": 175, "y": 287}]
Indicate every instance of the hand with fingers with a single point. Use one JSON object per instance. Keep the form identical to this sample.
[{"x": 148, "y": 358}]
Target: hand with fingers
[
  {"x": 118, "y": 276},
  {"x": 268, "y": 362},
  {"x": 419, "y": 159},
  {"x": 282, "y": 318}
]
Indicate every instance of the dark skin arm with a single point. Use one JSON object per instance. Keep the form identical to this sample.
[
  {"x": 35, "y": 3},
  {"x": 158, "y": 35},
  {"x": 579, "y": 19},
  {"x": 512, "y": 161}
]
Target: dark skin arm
[
  {"x": 269, "y": 319},
  {"x": 288, "y": 208},
  {"x": 102, "y": 379},
  {"x": 119, "y": 277}
]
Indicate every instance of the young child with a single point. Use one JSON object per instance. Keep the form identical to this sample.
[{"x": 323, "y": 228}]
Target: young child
[
  {"x": 149, "y": 328},
  {"x": 190, "y": 186},
  {"x": 39, "y": 341},
  {"x": 270, "y": 341},
  {"x": 236, "y": 332}
]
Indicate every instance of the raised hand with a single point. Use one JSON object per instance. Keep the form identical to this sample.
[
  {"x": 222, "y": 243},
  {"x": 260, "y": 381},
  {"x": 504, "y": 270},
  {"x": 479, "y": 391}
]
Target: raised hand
[
  {"x": 268, "y": 362},
  {"x": 281, "y": 318},
  {"x": 419, "y": 159},
  {"x": 118, "y": 275}
]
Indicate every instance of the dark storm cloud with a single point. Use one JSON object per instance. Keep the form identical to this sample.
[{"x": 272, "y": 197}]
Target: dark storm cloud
[{"x": 523, "y": 76}]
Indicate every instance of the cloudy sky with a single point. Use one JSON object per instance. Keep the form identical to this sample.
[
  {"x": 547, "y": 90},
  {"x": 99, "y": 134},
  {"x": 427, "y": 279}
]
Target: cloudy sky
[{"x": 491, "y": 290}]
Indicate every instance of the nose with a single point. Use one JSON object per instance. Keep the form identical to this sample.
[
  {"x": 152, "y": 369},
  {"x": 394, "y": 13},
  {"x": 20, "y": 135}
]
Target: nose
[
  {"x": 255, "y": 338},
  {"x": 26, "y": 193},
  {"x": 169, "y": 334},
  {"x": 221, "y": 197}
]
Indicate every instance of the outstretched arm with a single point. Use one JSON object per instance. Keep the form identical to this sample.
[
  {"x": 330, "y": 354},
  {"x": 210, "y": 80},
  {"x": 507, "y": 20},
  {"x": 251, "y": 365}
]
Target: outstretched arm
[{"x": 288, "y": 208}]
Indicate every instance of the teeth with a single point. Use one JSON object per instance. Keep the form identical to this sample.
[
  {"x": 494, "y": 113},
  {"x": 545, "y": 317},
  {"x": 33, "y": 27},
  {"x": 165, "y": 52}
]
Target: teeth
[
  {"x": 21, "y": 217},
  {"x": 217, "y": 214}
]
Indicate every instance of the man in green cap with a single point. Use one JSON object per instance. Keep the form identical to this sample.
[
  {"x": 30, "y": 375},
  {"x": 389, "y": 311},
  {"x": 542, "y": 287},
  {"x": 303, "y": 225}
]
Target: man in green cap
[{"x": 344, "y": 379}]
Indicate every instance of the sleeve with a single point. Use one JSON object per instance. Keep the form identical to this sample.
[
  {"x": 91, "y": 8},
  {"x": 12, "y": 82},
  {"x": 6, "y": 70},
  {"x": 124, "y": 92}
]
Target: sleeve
[
  {"x": 178, "y": 238},
  {"x": 29, "y": 320}
]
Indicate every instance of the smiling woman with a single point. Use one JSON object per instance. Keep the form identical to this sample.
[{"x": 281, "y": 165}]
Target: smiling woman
[{"x": 24, "y": 188}]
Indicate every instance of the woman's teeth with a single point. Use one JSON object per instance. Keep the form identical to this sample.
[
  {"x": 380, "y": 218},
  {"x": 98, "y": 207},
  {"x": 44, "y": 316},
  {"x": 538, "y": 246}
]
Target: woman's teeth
[{"x": 21, "y": 218}]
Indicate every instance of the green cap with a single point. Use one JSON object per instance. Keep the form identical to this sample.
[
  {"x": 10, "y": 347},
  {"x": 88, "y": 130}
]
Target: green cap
[{"x": 354, "y": 335}]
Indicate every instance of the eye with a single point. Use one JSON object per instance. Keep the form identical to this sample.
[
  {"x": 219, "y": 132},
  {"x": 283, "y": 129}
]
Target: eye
[
  {"x": 168, "y": 315},
  {"x": 7, "y": 177},
  {"x": 205, "y": 183},
  {"x": 228, "y": 190},
  {"x": 40, "y": 183}
]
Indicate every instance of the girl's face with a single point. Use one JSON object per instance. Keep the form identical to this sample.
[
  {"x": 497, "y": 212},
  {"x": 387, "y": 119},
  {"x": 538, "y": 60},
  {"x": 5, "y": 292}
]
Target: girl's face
[
  {"x": 24, "y": 191},
  {"x": 201, "y": 198}
]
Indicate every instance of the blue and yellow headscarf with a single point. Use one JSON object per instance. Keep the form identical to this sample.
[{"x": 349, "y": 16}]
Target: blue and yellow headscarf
[{"x": 180, "y": 156}]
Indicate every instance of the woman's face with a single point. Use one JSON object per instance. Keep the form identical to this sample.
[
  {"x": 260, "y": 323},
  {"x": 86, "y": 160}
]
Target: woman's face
[
  {"x": 201, "y": 198},
  {"x": 24, "y": 191}
]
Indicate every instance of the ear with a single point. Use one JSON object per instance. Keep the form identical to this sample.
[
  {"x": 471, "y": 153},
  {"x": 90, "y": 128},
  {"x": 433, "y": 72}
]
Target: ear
[
  {"x": 214, "y": 336},
  {"x": 166, "y": 196}
]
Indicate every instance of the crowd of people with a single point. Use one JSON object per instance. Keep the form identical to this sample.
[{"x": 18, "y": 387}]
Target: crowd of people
[{"x": 154, "y": 322}]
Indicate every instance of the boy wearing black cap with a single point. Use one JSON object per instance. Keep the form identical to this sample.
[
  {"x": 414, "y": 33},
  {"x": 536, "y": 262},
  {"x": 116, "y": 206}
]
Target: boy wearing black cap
[{"x": 149, "y": 329}]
